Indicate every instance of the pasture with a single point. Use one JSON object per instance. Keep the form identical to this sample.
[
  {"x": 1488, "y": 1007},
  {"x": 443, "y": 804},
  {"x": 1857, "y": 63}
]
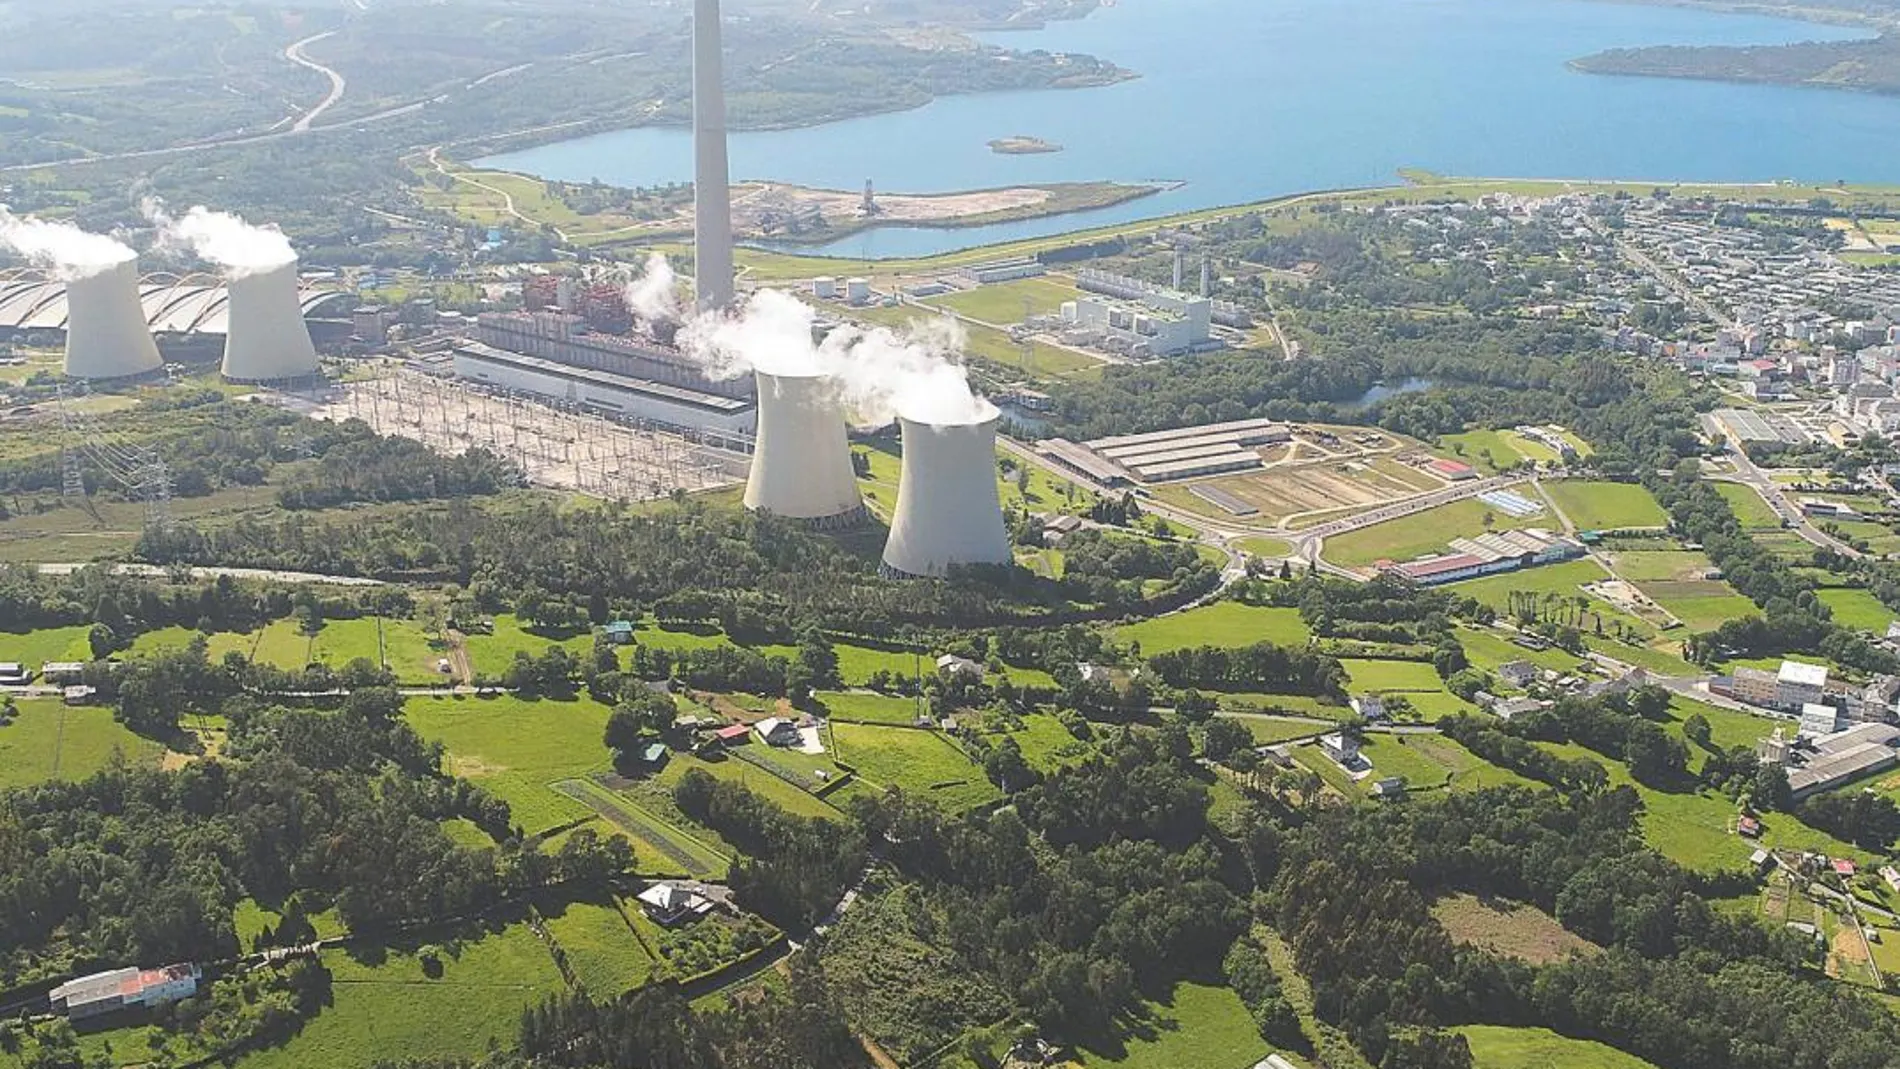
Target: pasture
[
  {"x": 1430, "y": 761},
  {"x": 35, "y": 648},
  {"x": 1605, "y": 506},
  {"x": 604, "y": 950},
  {"x": 515, "y": 749},
  {"x": 48, "y": 740},
  {"x": 1857, "y": 608},
  {"x": 1748, "y": 506},
  {"x": 1389, "y": 677},
  {"x": 1499, "y": 1047},
  {"x": 923, "y": 764},
  {"x": 1228, "y": 624},
  {"x": 1198, "y": 1025},
  {"x": 491, "y": 654}
]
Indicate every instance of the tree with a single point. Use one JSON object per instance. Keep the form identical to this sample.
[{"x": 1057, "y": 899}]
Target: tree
[
  {"x": 1696, "y": 729},
  {"x": 1222, "y": 739}
]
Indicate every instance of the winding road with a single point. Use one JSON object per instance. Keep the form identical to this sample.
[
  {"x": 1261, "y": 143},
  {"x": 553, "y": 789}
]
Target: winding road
[{"x": 295, "y": 53}]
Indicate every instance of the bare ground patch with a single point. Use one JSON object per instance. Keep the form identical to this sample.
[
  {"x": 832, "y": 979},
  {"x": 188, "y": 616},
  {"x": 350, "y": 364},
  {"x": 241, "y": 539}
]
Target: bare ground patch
[{"x": 1510, "y": 928}]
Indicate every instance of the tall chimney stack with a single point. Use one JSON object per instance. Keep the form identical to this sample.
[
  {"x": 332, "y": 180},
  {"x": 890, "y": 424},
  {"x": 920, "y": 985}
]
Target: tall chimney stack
[
  {"x": 712, "y": 195},
  {"x": 1180, "y": 259},
  {"x": 1207, "y": 277}
]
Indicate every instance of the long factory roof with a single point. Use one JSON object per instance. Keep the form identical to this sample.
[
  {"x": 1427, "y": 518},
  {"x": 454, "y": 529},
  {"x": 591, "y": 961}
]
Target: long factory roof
[{"x": 171, "y": 306}]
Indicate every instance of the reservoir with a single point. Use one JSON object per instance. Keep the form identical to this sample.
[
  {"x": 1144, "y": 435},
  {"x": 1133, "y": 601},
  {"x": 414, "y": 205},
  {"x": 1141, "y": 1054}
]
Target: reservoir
[{"x": 1247, "y": 99}]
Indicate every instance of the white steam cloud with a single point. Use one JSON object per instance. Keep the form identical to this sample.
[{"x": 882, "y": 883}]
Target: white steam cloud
[
  {"x": 61, "y": 248},
  {"x": 878, "y": 373},
  {"x": 240, "y": 248},
  {"x": 654, "y": 296}
]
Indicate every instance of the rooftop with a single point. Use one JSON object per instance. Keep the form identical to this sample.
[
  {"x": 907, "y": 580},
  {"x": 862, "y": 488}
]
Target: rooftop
[{"x": 1803, "y": 675}]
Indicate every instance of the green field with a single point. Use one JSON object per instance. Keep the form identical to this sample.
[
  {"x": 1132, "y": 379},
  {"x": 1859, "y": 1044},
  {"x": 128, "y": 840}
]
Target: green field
[
  {"x": 1201, "y": 1026},
  {"x": 387, "y": 1007},
  {"x": 661, "y": 846},
  {"x": 1487, "y": 649},
  {"x": 1383, "y": 677},
  {"x": 491, "y": 654},
  {"x": 606, "y": 955},
  {"x": 655, "y": 792},
  {"x": 922, "y": 763},
  {"x": 870, "y": 708},
  {"x": 35, "y": 648},
  {"x": 1261, "y": 546},
  {"x": 514, "y": 749},
  {"x": 1223, "y": 623},
  {"x": 1425, "y": 532},
  {"x": 1858, "y": 608},
  {"x": 1432, "y": 761},
  {"x": 1748, "y": 506},
  {"x": 1267, "y": 730},
  {"x": 48, "y": 741},
  {"x": 1488, "y": 451},
  {"x": 1498, "y": 1047},
  {"x": 1045, "y": 743},
  {"x": 409, "y": 650},
  {"x": 1002, "y": 303},
  {"x": 1604, "y": 506}
]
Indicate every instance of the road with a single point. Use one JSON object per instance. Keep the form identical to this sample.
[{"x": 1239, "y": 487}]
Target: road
[
  {"x": 1666, "y": 278},
  {"x": 153, "y": 571},
  {"x": 295, "y": 53},
  {"x": 1792, "y": 518}
]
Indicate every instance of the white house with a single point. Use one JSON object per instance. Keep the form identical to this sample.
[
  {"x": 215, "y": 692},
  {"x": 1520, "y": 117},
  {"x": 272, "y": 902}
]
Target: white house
[
  {"x": 671, "y": 903},
  {"x": 1339, "y": 746},
  {"x": 777, "y": 731}
]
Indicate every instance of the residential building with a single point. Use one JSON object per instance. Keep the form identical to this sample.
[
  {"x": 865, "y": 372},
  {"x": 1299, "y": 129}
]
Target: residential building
[
  {"x": 777, "y": 731},
  {"x": 654, "y": 754},
  {"x": 1748, "y": 827},
  {"x": 1518, "y": 674},
  {"x": 672, "y": 903},
  {"x": 1389, "y": 787},
  {"x": 1799, "y": 684},
  {"x": 104, "y": 992},
  {"x": 1341, "y": 747},
  {"x": 1370, "y": 706},
  {"x": 618, "y": 632},
  {"x": 1512, "y": 707},
  {"x": 1753, "y": 686},
  {"x": 733, "y": 735},
  {"x": 952, "y": 665},
  {"x": 14, "y": 674}
]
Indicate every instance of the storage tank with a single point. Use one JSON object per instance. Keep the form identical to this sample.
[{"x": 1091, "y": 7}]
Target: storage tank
[
  {"x": 825, "y": 288},
  {"x": 801, "y": 464},
  {"x": 857, "y": 290},
  {"x": 106, "y": 332},
  {"x": 266, "y": 338},
  {"x": 948, "y": 508}
]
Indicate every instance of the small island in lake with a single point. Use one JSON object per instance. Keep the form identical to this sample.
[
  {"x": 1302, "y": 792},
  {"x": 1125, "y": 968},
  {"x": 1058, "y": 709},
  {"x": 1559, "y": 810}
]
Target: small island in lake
[{"x": 1023, "y": 146}]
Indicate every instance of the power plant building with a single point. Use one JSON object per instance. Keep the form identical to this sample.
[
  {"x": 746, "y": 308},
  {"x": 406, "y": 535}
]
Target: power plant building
[
  {"x": 801, "y": 464},
  {"x": 266, "y": 339},
  {"x": 1164, "y": 323},
  {"x": 566, "y": 339},
  {"x": 645, "y": 402},
  {"x": 949, "y": 512},
  {"x": 107, "y": 336}
]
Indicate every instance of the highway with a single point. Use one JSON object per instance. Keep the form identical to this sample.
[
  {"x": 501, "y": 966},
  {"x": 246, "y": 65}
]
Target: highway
[{"x": 295, "y": 54}]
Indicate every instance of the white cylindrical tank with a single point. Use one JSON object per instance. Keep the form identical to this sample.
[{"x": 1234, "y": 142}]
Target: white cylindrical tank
[
  {"x": 267, "y": 338},
  {"x": 948, "y": 508},
  {"x": 106, "y": 332},
  {"x": 825, "y": 288},
  {"x": 801, "y": 464},
  {"x": 857, "y": 290}
]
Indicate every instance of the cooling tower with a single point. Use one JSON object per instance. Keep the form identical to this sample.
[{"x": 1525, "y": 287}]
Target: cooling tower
[
  {"x": 267, "y": 340},
  {"x": 712, "y": 195},
  {"x": 801, "y": 466},
  {"x": 106, "y": 333},
  {"x": 948, "y": 511}
]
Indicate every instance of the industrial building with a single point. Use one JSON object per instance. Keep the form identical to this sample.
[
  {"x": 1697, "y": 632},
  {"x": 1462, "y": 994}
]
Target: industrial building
[
  {"x": 948, "y": 511},
  {"x": 1009, "y": 270},
  {"x": 1793, "y": 687},
  {"x": 1488, "y": 554},
  {"x": 105, "y": 992},
  {"x": 266, "y": 340},
  {"x": 1164, "y": 456},
  {"x": 108, "y": 336},
  {"x": 641, "y": 401},
  {"x": 1160, "y": 324},
  {"x": 566, "y": 339},
  {"x": 1842, "y": 756},
  {"x": 801, "y": 462},
  {"x": 1225, "y": 313}
]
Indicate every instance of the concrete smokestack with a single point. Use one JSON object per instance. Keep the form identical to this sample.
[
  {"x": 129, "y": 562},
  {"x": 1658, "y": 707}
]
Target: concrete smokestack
[
  {"x": 948, "y": 509},
  {"x": 1180, "y": 262},
  {"x": 712, "y": 193},
  {"x": 266, "y": 338},
  {"x": 1207, "y": 278},
  {"x": 801, "y": 467},
  {"x": 106, "y": 333}
]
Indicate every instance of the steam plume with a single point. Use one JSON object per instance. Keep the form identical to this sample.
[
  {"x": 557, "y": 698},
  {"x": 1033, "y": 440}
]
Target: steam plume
[
  {"x": 654, "y": 295},
  {"x": 879, "y": 373},
  {"x": 239, "y": 247},
  {"x": 61, "y": 248}
]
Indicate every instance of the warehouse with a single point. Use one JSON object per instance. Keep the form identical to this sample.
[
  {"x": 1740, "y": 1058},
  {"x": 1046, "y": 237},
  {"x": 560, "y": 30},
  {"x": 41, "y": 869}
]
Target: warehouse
[{"x": 640, "y": 401}]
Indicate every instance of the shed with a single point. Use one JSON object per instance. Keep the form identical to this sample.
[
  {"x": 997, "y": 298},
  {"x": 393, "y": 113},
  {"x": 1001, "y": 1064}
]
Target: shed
[{"x": 619, "y": 632}]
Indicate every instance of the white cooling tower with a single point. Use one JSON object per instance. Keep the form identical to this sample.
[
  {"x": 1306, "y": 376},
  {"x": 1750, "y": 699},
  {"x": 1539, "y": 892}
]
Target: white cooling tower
[
  {"x": 948, "y": 510},
  {"x": 267, "y": 339},
  {"x": 106, "y": 333},
  {"x": 801, "y": 465}
]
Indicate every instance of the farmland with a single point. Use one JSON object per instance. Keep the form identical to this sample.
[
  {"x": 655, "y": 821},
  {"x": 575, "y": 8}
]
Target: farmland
[
  {"x": 1750, "y": 509},
  {"x": 1509, "y": 928},
  {"x": 1857, "y": 608},
  {"x": 602, "y": 946},
  {"x": 1677, "y": 581},
  {"x": 1605, "y": 506},
  {"x": 1199, "y": 1025},
  {"x": 1498, "y": 1047},
  {"x": 1425, "y": 532},
  {"x": 1223, "y": 623},
  {"x": 922, "y": 763},
  {"x": 515, "y": 749},
  {"x": 409, "y": 651},
  {"x": 48, "y": 741}
]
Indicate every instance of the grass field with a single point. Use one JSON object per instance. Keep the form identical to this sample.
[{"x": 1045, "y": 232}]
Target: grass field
[
  {"x": 602, "y": 949},
  {"x": 1675, "y": 580},
  {"x": 35, "y": 648},
  {"x": 1384, "y": 677},
  {"x": 514, "y": 749},
  {"x": 1488, "y": 649},
  {"x": 655, "y": 792},
  {"x": 1498, "y": 1047},
  {"x": 1603, "y": 506},
  {"x": 1201, "y": 1025},
  {"x": 922, "y": 763},
  {"x": 1224, "y": 623},
  {"x": 492, "y": 654},
  {"x": 1430, "y": 761},
  {"x": 1488, "y": 451},
  {"x": 1425, "y": 532},
  {"x": 409, "y": 650},
  {"x": 1002, "y": 303},
  {"x": 1857, "y": 608},
  {"x": 871, "y": 708},
  {"x": 1271, "y": 729},
  {"x": 386, "y": 1007},
  {"x": 48, "y": 741},
  {"x": 1045, "y": 743},
  {"x": 662, "y": 847},
  {"x": 1748, "y": 506},
  {"x": 1261, "y": 546}
]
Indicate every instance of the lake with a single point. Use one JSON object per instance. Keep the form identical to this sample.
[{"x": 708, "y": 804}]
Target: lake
[{"x": 1247, "y": 99}]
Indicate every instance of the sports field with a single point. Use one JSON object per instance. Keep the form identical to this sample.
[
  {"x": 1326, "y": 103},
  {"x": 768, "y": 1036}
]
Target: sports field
[
  {"x": 1605, "y": 506},
  {"x": 1498, "y": 1047},
  {"x": 923, "y": 764},
  {"x": 1426, "y": 532},
  {"x": 1228, "y": 624},
  {"x": 48, "y": 740}
]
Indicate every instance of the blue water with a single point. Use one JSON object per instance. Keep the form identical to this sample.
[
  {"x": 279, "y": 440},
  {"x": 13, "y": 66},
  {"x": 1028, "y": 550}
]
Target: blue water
[{"x": 1244, "y": 99}]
